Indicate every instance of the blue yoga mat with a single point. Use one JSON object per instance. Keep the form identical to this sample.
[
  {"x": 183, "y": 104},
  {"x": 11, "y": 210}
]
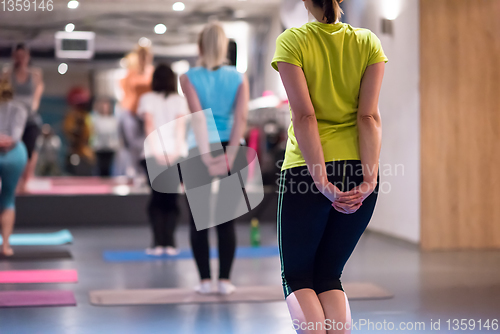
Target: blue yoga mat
[
  {"x": 41, "y": 239},
  {"x": 140, "y": 255}
]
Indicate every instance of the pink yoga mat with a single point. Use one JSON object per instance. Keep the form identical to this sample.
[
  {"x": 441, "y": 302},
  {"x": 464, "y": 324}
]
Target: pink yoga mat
[
  {"x": 39, "y": 276},
  {"x": 37, "y": 298}
]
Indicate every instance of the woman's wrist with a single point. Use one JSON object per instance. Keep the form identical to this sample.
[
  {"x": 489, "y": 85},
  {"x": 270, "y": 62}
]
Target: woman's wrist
[
  {"x": 371, "y": 182},
  {"x": 321, "y": 183},
  {"x": 206, "y": 158}
]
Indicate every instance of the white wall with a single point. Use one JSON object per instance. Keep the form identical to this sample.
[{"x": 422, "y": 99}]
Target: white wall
[
  {"x": 272, "y": 80},
  {"x": 398, "y": 211}
]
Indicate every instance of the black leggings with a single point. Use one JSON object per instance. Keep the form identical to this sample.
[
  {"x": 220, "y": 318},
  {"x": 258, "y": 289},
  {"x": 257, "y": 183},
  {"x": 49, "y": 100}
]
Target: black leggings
[
  {"x": 30, "y": 135},
  {"x": 104, "y": 162},
  {"x": 226, "y": 234},
  {"x": 314, "y": 239},
  {"x": 163, "y": 213}
]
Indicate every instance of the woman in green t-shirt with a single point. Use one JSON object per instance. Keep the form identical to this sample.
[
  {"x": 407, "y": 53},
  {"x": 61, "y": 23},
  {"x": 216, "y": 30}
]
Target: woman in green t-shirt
[{"x": 332, "y": 73}]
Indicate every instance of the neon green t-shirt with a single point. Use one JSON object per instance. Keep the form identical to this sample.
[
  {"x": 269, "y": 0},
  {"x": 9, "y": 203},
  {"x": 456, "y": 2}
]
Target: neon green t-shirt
[{"x": 334, "y": 58}]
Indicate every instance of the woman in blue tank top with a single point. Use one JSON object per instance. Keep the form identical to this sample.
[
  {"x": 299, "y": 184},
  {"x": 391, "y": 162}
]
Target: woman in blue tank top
[{"x": 224, "y": 91}]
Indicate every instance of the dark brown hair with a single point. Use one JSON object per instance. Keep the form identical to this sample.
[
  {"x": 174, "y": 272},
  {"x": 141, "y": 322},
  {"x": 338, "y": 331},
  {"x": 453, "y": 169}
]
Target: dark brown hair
[
  {"x": 331, "y": 9},
  {"x": 164, "y": 80}
]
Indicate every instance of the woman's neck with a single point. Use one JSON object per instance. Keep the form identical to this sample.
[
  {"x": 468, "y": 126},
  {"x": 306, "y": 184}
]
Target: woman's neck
[
  {"x": 319, "y": 15},
  {"x": 21, "y": 69}
]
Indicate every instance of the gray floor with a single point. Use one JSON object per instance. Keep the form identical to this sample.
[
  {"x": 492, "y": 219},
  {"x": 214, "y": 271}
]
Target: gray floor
[{"x": 434, "y": 285}]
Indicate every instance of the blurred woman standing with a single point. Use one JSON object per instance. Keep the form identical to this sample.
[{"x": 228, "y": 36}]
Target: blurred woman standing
[
  {"x": 136, "y": 83},
  {"x": 226, "y": 92},
  {"x": 77, "y": 127},
  {"x": 27, "y": 85},
  {"x": 13, "y": 157},
  {"x": 158, "y": 108},
  {"x": 105, "y": 138}
]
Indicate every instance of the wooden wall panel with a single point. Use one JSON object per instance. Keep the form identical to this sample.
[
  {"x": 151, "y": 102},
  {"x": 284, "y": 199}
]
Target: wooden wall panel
[{"x": 460, "y": 124}]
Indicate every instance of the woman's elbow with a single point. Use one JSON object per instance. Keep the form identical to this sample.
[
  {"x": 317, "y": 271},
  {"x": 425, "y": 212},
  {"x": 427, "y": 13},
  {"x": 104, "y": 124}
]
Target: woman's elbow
[
  {"x": 242, "y": 119},
  {"x": 373, "y": 119},
  {"x": 303, "y": 119}
]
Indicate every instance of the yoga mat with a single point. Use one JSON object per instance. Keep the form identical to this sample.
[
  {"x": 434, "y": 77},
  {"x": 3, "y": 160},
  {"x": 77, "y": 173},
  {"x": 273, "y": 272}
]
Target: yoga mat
[
  {"x": 140, "y": 255},
  {"x": 39, "y": 276},
  {"x": 243, "y": 294},
  {"x": 37, "y": 298},
  {"x": 37, "y": 255},
  {"x": 41, "y": 239}
]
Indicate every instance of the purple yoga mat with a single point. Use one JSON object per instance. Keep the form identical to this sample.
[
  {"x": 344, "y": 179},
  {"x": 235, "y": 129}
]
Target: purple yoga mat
[{"x": 37, "y": 298}]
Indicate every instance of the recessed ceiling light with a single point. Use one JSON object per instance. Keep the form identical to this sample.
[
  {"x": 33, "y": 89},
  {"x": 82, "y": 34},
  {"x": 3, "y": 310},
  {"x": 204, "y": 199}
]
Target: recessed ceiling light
[
  {"x": 69, "y": 27},
  {"x": 62, "y": 68},
  {"x": 178, "y": 6},
  {"x": 144, "y": 42},
  {"x": 160, "y": 28},
  {"x": 73, "y": 4}
]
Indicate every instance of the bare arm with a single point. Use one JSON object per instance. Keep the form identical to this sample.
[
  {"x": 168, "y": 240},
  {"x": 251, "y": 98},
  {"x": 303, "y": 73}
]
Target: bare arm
[
  {"x": 39, "y": 88},
  {"x": 198, "y": 121},
  {"x": 240, "y": 120},
  {"x": 369, "y": 132},
  {"x": 369, "y": 121},
  {"x": 180, "y": 134},
  {"x": 305, "y": 126}
]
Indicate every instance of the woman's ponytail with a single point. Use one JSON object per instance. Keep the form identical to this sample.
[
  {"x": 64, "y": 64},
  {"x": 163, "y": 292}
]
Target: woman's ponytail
[{"x": 331, "y": 9}]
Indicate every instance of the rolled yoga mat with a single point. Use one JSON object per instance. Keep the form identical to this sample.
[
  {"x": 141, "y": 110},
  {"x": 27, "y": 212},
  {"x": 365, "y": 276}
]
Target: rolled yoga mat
[
  {"x": 37, "y": 298},
  {"x": 243, "y": 294},
  {"x": 140, "y": 255},
  {"x": 37, "y": 254},
  {"x": 40, "y": 239},
  {"x": 39, "y": 276}
]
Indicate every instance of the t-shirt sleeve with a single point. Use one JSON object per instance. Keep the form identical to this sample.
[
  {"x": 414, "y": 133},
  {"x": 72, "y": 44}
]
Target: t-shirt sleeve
[
  {"x": 287, "y": 50},
  {"x": 377, "y": 54}
]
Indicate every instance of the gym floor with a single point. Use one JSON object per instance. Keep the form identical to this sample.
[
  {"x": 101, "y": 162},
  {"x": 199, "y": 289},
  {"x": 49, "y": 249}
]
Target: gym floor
[{"x": 427, "y": 286}]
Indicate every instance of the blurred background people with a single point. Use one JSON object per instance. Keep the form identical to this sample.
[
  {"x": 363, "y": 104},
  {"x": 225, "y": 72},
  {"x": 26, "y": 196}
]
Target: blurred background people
[
  {"x": 105, "y": 137},
  {"x": 136, "y": 82},
  {"x": 226, "y": 92},
  {"x": 77, "y": 127},
  {"x": 48, "y": 147},
  {"x": 13, "y": 158},
  {"x": 27, "y": 85},
  {"x": 157, "y": 108}
]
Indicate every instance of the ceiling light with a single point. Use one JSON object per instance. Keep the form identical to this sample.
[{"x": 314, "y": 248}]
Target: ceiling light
[
  {"x": 160, "y": 28},
  {"x": 69, "y": 27},
  {"x": 73, "y": 4},
  {"x": 63, "y": 68},
  {"x": 178, "y": 6},
  {"x": 391, "y": 9},
  {"x": 144, "y": 42},
  {"x": 180, "y": 67}
]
